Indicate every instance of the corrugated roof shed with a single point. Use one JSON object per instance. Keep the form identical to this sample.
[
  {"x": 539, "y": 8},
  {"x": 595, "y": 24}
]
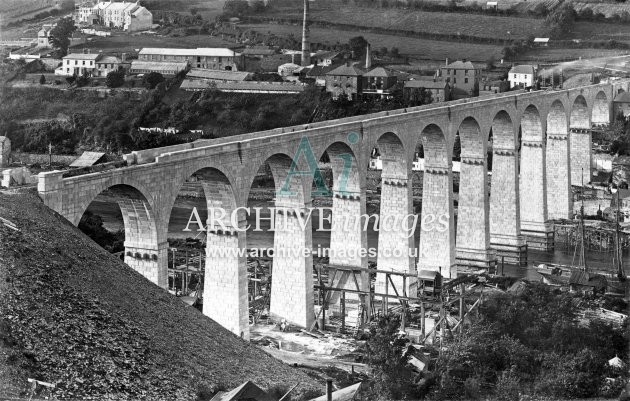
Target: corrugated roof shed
[
  {"x": 88, "y": 159},
  {"x": 258, "y": 86},
  {"x": 218, "y": 75},
  {"x": 158, "y": 66},
  {"x": 200, "y": 51}
]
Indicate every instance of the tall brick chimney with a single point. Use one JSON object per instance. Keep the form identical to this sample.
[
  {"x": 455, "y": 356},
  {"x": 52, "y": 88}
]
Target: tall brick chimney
[{"x": 306, "y": 46}]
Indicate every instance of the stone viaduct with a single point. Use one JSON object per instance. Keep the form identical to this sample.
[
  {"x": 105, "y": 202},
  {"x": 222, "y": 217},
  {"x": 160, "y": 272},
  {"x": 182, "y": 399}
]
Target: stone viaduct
[{"x": 546, "y": 133}]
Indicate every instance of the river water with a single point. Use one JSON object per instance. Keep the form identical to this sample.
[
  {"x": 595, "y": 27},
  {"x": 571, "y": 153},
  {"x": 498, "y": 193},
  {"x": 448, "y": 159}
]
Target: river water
[{"x": 108, "y": 209}]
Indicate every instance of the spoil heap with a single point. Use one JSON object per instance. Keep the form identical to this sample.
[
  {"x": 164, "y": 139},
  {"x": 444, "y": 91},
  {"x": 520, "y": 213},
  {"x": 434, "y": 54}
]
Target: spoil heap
[{"x": 74, "y": 315}]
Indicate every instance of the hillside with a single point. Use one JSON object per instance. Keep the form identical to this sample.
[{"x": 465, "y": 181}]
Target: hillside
[{"x": 73, "y": 314}]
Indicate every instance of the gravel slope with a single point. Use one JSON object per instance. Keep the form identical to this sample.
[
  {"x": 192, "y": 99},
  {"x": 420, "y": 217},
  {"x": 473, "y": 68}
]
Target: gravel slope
[{"x": 73, "y": 314}]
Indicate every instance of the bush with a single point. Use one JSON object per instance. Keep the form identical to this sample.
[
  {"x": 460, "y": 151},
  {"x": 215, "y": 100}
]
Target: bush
[
  {"x": 152, "y": 79},
  {"x": 115, "y": 79}
]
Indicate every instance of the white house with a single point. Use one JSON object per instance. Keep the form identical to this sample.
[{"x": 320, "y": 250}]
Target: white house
[
  {"x": 78, "y": 64},
  {"x": 125, "y": 15},
  {"x": 139, "y": 19},
  {"x": 522, "y": 76},
  {"x": 324, "y": 58}
]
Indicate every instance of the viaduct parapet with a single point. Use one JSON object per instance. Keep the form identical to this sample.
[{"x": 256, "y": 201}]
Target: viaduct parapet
[{"x": 541, "y": 145}]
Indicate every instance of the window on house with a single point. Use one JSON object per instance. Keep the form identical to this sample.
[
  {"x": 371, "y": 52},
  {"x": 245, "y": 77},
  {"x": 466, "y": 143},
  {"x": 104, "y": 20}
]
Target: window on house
[
  {"x": 465, "y": 80},
  {"x": 514, "y": 76},
  {"x": 76, "y": 62},
  {"x": 465, "y": 72},
  {"x": 454, "y": 80}
]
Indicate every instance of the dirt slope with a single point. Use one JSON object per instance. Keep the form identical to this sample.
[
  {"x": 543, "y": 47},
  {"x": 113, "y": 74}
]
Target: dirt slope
[{"x": 73, "y": 314}]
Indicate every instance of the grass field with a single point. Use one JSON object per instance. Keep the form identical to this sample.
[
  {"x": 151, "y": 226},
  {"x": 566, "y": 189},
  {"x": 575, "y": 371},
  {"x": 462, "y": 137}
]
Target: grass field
[
  {"x": 413, "y": 47},
  {"x": 601, "y": 31},
  {"x": 484, "y": 26}
]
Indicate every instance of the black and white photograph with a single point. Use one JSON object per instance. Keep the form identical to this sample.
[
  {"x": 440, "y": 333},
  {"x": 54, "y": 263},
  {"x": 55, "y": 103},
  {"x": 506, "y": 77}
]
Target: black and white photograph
[{"x": 314, "y": 200}]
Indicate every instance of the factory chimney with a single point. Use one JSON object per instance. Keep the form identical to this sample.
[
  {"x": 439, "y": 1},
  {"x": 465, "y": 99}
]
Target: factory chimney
[
  {"x": 368, "y": 58},
  {"x": 306, "y": 46}
]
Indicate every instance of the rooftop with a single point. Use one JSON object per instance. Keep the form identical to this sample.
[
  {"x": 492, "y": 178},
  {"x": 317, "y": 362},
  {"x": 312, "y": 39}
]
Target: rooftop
[
  {"x": 120, "y": 6},
  {"x": 325, "y": 54},
  {"x": 110, "y": 60},
  {"x": 461, "y": 65},
  {"x": 260, "y": 86},
  {"x": 218, "y": 74},
  {"x": 347, "y": 70},
  {"x": 82, "y": 56},
  {"x": 258, "y": 51},
  {"x": 200, "y": 51},
  {"x": 158, "y": 66},
  {"x": 523, "y": 69},
  {"x": 379, "y": 72}
]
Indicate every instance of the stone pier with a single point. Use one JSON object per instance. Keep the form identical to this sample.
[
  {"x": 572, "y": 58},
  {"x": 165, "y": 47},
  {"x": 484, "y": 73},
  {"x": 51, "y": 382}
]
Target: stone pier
[
  {"x": 505, "y": 213},
  {"x": 559, "y": 197},
  {"x": 142, "y": 251},
  {"x": 225, "y": 285},
  {"x": 394, "y": 242},
  {"x": 292, "y": 288},
  {"x": 437, "y": 236},
  {"x": 473, "y": 228},
  {"x": 535, "y": 227}
]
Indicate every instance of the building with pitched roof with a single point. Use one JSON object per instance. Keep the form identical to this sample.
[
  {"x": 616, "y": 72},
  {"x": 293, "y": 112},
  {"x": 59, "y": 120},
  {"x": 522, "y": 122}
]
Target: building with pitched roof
[
  {"x": 218, "y": 75},
  {"x": 522, "y": 76},
  {"x": 163, "y": 67},
  {"x": 209, "y": 58},
  {"x": 380, "y": 82},
  {"x": 130, "y": 16},
  {"x": 463, "y": 78},
  {"x": 107, "y": 64},
  {"x": 325, "y": 58},
  {"x": 440, "y": 91},
  {"x": 78, "y": 64},
  {"x": 345, "y": 81}
]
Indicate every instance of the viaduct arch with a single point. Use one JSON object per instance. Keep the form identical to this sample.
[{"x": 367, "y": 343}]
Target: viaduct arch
[{"x": 530, "y": 185}]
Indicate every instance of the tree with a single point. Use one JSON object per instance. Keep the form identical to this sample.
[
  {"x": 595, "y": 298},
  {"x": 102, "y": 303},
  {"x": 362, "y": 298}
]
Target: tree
[
  {"x": 358, "y": 45},
  {"x": 60, "y": 35},
  {"x": 393, "y": 379},
  {"x": 235, "y": 8},
  {"x": 115, "y": 79},
  {"x": 42, "y": 79},
  {"x": 152, "y": 79},
  {"x": 561, "y": 19},
  {"x": 490, "y": 62}
]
